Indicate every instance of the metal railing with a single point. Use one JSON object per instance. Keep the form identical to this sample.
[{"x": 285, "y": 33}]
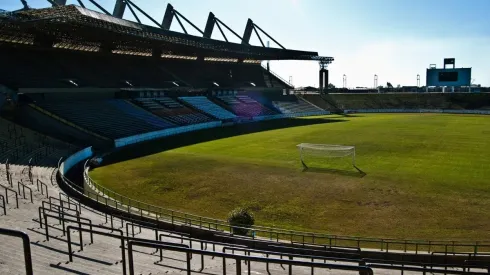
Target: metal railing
[
  {"x": 42, "y": 187},
  {"x": 238, "y": 258},
  {"x": 26, "y": 244},
  {"x": 120, "y": 202},
  {"x": 4, "y": 205},
  {"x": 121, "y": 237},
  {"x": 7, "y": 195},
  {"x": 299, "y": 252},
  {"x": 278, "y": 76},
  {"x": 24, "y": 187}
]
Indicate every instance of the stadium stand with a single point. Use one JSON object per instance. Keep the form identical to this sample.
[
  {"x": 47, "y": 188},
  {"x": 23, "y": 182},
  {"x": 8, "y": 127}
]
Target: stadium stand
[
  {"x": 244, "y": 106},
  {"x": 205, "y": 105},
  {"x": 297, "y": 105},
  {"x": 110, "y": 118},
  {"x": 440, "y": 101},
  {"x": 20, "y": 145},
  {"x": 171, "y": 110}
]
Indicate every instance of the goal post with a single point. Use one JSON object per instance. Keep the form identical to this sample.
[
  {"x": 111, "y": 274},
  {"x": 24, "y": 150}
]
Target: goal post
[{"x": 326, "y": 151}]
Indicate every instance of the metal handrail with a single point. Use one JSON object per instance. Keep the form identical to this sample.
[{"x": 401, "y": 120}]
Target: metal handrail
[
  {"x": 121, "y": 237},
  {"x": 175, "y": 216},
  {"x": 43, "y": 190},
  {"x": 26, "y": 243},
  {"x": 278, "y": 76},
  {"x": 24, "y": 190},
  {"x": 238, "y": 258},
  {"x": 4, "y": 206},
  {"x": 7, "y": 195}
]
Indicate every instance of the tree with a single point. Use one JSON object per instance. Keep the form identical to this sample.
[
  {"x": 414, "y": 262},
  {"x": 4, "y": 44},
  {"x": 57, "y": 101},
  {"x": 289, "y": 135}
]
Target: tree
[
  {"x": 330, "y": 86},
  {"x": 242, "y": 218}
]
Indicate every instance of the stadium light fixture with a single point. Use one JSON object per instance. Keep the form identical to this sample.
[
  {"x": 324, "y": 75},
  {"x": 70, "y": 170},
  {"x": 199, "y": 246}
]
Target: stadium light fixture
[
  {"x": 253, "y": 84},
  {"x": 72, "y": 82},
  {"x": 129, "y": 83},
  {"x": 215, "y": 84},
  {"x": 175, "y": 83},
  {"x": 172, "y": 56}
]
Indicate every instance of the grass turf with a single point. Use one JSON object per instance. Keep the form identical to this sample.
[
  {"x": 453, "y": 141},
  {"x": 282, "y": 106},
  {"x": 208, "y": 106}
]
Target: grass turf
[{"x": 426, "y": 177}]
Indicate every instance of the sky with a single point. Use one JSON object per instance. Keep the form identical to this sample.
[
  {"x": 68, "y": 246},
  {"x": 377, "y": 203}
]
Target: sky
[{"x": 393, "y": 39}]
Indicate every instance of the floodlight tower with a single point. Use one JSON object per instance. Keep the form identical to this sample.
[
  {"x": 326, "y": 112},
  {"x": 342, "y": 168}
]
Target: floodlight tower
[
  {"x": 418, "y": 80},
  {"x": 375, "y": 81},
  {"x": 344, "y": 81},
  {"x": 323, "y": 75}
]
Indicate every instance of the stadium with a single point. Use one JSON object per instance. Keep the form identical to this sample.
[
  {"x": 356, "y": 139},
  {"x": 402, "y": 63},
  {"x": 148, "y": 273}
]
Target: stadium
[{"x": 126, "y": 148}]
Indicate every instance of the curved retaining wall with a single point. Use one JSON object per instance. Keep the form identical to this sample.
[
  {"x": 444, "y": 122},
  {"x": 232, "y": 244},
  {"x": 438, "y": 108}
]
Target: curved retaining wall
[
  {"x": 74, "y": 159},
  {"x": 206, "y": 228}
]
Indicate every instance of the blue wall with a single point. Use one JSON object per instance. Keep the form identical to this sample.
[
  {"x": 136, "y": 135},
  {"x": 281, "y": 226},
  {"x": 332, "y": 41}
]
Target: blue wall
[{"x": 464, "y": 77}]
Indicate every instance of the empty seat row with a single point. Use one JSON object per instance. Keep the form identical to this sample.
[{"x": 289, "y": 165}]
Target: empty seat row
[
  {"x": 110, "y": 118},
  {"x": 205, "y": 105},
  {"x": 171, "y": 110},
  {"x": 245, "y": 106},
  {"x": 291, "y": 107}
]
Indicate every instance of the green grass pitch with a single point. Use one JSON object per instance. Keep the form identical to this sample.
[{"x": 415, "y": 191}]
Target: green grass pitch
[{"x": 427, "y": 177}]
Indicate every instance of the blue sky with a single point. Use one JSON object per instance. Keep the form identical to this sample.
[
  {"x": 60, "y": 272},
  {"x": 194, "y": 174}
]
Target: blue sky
[{"x": 391, "y": 38}]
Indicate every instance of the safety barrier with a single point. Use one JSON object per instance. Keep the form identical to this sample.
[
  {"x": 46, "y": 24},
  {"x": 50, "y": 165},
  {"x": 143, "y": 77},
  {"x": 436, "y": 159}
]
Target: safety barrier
[
  {"x": 74, "y": 159},
  {"x": 164, "y": 133},
  {"x": 26, "y": 244},
  {"x": 4, "y": 206},
  {"x": 447, "y": 111},
  {"x": 42, "y": 187},
  {"x": 7, "y": 195},
  {"x": 119, "y": 202},
  {"x": 279, "y": 116},
  {"x": 238, "y": 258},
  {"x": 24, "y": 187}
]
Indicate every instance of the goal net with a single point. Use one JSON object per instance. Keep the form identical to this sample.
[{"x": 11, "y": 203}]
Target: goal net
[{"x": 318, "y": 153}]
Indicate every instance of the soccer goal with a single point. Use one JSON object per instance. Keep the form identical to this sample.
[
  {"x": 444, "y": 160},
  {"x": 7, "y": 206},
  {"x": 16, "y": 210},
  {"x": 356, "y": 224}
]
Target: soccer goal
[{"x": 321, "y": 151}]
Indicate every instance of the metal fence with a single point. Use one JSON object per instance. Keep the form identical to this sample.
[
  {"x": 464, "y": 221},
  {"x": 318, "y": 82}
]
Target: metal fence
[{"x": 120, "y": 202}]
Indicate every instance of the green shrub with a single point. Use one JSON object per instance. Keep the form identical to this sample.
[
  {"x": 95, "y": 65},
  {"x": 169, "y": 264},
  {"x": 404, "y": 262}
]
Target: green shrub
[{"x": 241, "y": 217}]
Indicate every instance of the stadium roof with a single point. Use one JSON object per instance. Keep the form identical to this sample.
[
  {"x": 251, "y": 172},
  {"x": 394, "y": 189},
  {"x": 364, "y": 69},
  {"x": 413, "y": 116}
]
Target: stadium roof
[{"x": 86, "y": 28}]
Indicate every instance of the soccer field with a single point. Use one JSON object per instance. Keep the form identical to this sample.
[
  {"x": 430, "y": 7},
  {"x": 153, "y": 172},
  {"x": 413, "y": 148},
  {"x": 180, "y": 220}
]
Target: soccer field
[{"x": 426, "y": 177}]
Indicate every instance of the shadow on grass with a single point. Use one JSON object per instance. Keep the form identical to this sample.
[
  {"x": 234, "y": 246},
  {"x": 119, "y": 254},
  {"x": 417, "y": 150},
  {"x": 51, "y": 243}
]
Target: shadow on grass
[
  {"x": 356, "y": 174},
  {"x": 352, "y": 115},
  {"x": 185, "y": 139}
]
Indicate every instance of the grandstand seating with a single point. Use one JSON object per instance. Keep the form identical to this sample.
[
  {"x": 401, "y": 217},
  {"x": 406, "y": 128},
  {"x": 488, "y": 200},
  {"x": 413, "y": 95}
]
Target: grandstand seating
[
  {"x": 296, "y": 106},
  {"x": 172, "y": 110},
  {"x": 205, "y": 105},
  {"x": 110, "y": 118},
  {"x": 20, "y": 145},
  {"x": 244, "y": 106}
]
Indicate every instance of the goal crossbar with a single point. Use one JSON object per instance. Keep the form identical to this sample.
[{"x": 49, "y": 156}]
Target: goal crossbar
[{"x": 327, "y": 150}]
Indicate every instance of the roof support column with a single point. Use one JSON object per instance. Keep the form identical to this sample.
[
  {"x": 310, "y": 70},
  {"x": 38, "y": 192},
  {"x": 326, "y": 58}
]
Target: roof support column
[
  {"x": 60, "y": 2},
  {"x": 119, "y": 9},
  {"x": 208, "y": 31},
  {"x": 248, "y": 32}
]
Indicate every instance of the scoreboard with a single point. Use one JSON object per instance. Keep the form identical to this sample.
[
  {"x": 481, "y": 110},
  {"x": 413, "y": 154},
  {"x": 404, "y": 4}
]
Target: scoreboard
[{"x": 448, "y": 77}]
